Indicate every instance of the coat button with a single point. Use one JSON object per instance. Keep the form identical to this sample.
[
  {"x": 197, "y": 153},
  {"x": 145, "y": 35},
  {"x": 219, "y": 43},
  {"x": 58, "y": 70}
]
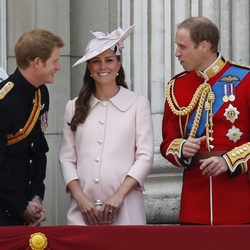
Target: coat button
[
  {"x": 8, "y": 212},
  {"x": 97, "y": 160},
  {"x": 104, "y": 104},
  {"x": 30, "y": 161},
  {"x": 99, "y": 142},
  {"x": 32, "y": 144},
  {"x": 101, "y": 122},
  {"x": 96, "y": 181}
]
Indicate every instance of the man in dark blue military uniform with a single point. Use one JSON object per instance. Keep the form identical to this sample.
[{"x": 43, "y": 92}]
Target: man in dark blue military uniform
[{"x": 24, "y": 103}]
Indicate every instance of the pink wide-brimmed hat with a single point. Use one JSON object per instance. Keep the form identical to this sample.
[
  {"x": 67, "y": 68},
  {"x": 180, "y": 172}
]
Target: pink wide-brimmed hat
[{"x": 104, "y": 41}]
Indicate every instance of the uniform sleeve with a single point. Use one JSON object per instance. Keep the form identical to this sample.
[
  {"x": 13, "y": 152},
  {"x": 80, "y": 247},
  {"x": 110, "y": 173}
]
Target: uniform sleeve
[
  {"x": 10, "y": 193},
  {"x": 144, "y": 142},
  {"x": 67, "y": 154},
  {"x": 170, "y": 135}
]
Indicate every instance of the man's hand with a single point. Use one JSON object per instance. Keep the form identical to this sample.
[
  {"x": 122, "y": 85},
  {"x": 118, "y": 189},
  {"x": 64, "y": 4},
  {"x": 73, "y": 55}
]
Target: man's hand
[
  {"x": 213, "y": 166},
  {"x": 34, "y": 214},
  {"x": 192, "y": 146}
]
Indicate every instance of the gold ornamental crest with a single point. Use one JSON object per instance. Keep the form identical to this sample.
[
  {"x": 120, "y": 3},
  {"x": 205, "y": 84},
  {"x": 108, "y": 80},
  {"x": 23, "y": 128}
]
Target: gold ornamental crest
[{"x": 38, "y": 241}]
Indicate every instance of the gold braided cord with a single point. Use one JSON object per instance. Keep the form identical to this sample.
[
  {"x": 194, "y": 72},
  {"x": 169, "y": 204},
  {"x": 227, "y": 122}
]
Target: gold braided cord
[
  {"x": 198, "y": 114},
  {"x": 173, "y": 103},
  {"x": 209, "y": 120},
  {"x": 185, "y": 126},
  {"x": 181, "y": 108},
  {"x": 205, "y": 98}
]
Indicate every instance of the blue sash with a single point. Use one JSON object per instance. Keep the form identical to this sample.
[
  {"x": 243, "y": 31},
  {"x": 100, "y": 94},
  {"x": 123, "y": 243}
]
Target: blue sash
[{"x": 218, "y": 89}]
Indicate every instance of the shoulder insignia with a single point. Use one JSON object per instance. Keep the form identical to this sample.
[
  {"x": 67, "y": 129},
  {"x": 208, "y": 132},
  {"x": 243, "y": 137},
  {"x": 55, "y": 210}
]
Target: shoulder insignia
[
  {"x": 239, "y": 65},
  {"x": 6, "y": 89},
  {"x": 229, "y": 79}
]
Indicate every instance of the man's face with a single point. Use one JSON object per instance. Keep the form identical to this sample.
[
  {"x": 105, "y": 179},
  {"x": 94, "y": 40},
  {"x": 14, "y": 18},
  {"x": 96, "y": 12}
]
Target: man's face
[
  {"x": 191, "y": 57},
  {"x": 50, "y": 67}
]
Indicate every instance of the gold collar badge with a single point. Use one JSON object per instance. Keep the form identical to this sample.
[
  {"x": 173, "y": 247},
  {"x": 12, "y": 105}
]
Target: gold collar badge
[{"x": 213, "y": 69}]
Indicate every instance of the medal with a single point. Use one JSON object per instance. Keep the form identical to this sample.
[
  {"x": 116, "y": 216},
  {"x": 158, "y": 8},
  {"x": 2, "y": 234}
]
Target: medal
[
  {"x": 225, "y": 97},
  {"x": 231, "y": 113},
  {"x": 231, "y": 96},
  {"x": 234, "y": 134},
  {"x": 44, "y": 121}
]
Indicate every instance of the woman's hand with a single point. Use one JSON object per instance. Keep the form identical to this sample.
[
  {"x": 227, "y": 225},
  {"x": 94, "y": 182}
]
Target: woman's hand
[
  {"x": 111, "y": 207},
  {"x": 90, "y": 214},
  {"x": 86, "y": 205}
]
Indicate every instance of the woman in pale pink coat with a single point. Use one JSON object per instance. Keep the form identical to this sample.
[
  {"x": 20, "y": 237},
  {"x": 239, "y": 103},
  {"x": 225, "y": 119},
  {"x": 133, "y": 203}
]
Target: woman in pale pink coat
[{"x": 107, "y": 146}]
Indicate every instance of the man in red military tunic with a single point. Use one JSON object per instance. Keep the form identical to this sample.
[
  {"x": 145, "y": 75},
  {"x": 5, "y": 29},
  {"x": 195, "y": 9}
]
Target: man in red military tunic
[{"x": 206, "y": 128}]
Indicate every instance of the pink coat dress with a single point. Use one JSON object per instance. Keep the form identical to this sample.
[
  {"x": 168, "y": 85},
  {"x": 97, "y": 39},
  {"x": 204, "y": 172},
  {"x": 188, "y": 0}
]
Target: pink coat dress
[{"x": 115, "y": 140}]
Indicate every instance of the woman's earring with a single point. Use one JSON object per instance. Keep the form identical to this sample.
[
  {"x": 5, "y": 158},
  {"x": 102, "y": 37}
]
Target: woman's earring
[
  {"x": 91, "y": 75},
  {"x": 117, "y": 74}
]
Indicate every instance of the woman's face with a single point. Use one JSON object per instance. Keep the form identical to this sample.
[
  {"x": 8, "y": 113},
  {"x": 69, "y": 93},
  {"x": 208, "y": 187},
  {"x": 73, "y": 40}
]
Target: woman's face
[{"x": 104, "y": 67}]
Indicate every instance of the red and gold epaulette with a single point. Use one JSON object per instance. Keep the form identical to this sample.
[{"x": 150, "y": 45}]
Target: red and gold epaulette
[{"x": 239, "y": 65}]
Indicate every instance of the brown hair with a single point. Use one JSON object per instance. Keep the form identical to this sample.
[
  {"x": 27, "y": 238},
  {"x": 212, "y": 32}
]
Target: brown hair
[
  {"x": 36, "y": 43},
  {"x": 82, "y": 104},
  {"x": 202, "y": 29}
]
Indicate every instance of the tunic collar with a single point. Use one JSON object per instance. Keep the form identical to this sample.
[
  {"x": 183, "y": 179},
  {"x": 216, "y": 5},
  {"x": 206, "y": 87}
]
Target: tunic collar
[
  {"x": 213, "y": 69},
  {"x": 122, "y": 100},
  {"x": 25, "y": 86}
]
